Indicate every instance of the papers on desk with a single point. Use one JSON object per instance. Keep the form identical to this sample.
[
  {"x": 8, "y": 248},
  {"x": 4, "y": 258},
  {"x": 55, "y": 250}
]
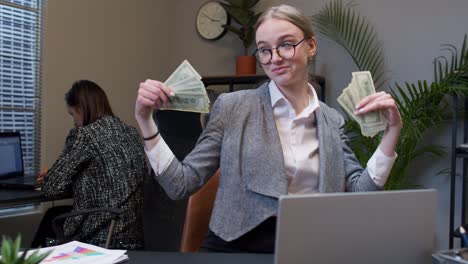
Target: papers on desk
[{"x": 78, "y": 252}]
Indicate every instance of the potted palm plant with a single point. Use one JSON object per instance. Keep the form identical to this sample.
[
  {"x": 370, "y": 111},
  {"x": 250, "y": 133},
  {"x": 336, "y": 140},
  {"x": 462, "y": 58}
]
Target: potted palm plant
[
  {"x": 241, "y": 11},
  {"x": 422, "y": 105},
  {"x": 10, "y": 253}
]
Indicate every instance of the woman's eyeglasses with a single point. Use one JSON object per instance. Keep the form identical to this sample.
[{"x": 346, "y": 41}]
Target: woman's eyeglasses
[{"x": 285, "y": 50}]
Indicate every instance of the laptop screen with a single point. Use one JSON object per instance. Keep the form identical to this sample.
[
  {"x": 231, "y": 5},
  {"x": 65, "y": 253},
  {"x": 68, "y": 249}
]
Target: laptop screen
[{"x": 11, "y": 161}]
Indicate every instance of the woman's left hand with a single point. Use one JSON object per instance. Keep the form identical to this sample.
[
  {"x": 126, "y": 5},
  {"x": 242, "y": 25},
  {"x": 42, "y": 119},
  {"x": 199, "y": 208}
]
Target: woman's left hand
[{"x": 384, "y": 102}]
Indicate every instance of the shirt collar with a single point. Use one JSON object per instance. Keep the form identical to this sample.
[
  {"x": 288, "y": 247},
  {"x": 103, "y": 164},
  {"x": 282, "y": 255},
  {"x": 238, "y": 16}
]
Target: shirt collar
[{"x": 277, "y": 96}]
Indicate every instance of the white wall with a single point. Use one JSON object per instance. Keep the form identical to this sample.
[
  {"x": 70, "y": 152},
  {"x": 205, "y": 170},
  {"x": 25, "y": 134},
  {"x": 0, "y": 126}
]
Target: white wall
[
  {"x": 121, "y": 42},
  {"x": 116, "y": 43}
]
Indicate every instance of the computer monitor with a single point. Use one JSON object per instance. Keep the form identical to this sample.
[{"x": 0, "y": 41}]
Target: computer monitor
[{"x": 11, "y": 158}]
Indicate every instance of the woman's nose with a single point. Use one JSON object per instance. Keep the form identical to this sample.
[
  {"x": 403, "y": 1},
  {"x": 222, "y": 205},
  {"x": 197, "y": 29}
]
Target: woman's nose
[{"x": 275, "y": 56}]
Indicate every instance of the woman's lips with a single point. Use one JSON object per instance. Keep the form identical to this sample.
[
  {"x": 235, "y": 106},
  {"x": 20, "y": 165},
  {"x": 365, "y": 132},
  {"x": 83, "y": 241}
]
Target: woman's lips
[{"x": 279, "y": 70}]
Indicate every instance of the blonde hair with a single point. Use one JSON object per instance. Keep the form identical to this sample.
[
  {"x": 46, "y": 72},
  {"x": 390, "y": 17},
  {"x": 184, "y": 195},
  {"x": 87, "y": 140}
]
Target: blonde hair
[{"x": 290, "y": 14}]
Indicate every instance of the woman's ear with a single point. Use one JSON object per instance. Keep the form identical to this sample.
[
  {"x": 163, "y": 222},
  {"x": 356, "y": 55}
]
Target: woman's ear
[{"x": 312, "y": 47}]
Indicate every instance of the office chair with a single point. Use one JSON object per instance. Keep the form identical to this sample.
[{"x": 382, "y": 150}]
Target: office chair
[
  {"x": 57, "y": 223},
  {"x": 198, "y": 214}
]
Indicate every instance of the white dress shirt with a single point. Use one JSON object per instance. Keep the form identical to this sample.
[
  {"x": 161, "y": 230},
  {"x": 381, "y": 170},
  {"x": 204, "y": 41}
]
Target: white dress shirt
[{"x": 298, "y": 136}]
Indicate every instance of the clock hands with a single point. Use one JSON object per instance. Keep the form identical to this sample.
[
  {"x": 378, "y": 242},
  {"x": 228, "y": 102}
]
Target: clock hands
[{"x": 212, "y": 20}]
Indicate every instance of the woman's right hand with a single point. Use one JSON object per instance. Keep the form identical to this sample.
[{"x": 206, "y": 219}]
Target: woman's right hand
[{"x": 152, "y": 95}]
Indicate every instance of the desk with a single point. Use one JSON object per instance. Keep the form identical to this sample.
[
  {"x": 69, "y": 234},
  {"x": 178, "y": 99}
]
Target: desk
[
  {"x": 141, "y": 257},
  {"x": 10, "y": 197}
]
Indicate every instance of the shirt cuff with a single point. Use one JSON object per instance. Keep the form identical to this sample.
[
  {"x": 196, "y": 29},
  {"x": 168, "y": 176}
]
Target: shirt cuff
[
  {"x": 160, "y": 156},
  {"x": 379, "y": 166}
]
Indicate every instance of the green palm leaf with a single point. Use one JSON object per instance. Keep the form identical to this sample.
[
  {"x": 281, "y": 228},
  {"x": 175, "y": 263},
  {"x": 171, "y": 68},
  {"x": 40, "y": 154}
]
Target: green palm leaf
[
  {"x": 422, "y": 106},
  {"x": 241, "y": 11},
  {"x": 342, "y": 24},
  {"x": 10, "y": 253}
]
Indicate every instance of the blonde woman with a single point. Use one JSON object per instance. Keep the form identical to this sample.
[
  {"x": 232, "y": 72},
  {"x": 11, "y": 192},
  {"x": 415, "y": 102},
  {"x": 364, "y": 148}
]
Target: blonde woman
[{"x": 274, "y": 140}]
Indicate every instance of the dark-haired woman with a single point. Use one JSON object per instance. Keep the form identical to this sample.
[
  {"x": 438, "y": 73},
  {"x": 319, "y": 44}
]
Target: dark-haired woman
[{"x": 102, "y": 165}]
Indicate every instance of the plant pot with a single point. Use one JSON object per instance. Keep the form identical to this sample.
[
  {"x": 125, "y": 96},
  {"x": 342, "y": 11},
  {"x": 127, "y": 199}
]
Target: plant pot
[{"x": 246, "y": 65}]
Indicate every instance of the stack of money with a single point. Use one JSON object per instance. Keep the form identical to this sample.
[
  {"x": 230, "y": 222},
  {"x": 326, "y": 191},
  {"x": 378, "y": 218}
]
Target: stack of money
[
  {"x": 190, "y": 93},
  {"x": 361, "y": 86}
]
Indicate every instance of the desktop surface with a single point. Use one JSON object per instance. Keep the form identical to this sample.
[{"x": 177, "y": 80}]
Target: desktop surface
[{"x": 11, "y": 197}]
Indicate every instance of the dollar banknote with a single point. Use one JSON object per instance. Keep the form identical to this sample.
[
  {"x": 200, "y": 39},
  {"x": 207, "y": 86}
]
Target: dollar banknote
[
  {"x": 190, "y": 103},
  {"x": 189, "y": 90},
  {"x": 361, "y": 86},
  {"x": 184, "y": 71},
  {"x": 373, "y": 122},
  {"x": 346, "y": 102}
]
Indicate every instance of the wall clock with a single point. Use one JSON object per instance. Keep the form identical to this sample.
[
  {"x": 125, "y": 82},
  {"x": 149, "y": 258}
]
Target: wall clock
[{"x": 210, "y": 20}]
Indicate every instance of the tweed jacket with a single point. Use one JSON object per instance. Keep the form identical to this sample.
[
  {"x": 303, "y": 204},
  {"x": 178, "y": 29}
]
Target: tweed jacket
[
  {"x": 241, "y": 139},
  {"x": 102, "y": 165}
]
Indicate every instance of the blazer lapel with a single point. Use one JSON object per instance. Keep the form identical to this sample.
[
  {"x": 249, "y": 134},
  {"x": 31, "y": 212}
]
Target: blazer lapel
[
  {"x": 330, "y": 163},
  {"x": 267, "y": 177}
]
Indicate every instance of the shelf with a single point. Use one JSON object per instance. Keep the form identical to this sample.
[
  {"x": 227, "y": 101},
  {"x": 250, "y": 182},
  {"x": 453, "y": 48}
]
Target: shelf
[{"x": 231, "y": 80}]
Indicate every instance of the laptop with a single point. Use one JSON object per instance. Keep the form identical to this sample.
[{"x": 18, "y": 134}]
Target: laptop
[
  {"x": 363, "y": 227},
  {"x": 11, "y": 163}
]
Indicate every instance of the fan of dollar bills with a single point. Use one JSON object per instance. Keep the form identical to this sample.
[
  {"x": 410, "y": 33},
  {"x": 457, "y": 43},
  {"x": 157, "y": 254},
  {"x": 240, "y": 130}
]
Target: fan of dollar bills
[
  {"x": 361, "y": 86},
  {"x": 190, "y": 93}
]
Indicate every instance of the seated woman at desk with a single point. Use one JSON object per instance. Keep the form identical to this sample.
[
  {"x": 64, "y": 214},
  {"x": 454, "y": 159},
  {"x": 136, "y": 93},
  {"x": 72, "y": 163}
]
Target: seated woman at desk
[
  {"x": 102, "y": 165},
  {"x": 277, "y": 139}
]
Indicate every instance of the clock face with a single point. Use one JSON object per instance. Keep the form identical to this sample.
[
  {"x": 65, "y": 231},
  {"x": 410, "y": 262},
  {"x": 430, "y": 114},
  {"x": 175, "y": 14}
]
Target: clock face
[{"x": 210, "y": 20}]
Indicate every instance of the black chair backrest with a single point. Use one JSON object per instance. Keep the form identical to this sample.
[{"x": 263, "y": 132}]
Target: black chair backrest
[{"x": 57, "y": 223}]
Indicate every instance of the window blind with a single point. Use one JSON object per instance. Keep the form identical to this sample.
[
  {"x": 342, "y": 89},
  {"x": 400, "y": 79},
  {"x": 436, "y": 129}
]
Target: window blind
[{"x": 20, "y": 75}]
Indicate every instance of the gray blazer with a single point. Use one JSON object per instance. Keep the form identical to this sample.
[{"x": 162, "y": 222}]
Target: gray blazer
[{"x": 242, "y": 140}]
